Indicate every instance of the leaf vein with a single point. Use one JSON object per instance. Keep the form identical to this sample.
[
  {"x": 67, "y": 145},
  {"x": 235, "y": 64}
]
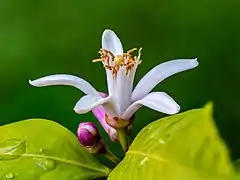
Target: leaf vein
[{"x": 74, "y": 163}]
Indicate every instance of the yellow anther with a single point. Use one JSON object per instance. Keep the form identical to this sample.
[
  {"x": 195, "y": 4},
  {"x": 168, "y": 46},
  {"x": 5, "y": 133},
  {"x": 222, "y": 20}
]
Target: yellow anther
[
  {"x": 131, "y": 50},
  {"x": 97, "y": 60},
  {"x": 125, "y": 60}
]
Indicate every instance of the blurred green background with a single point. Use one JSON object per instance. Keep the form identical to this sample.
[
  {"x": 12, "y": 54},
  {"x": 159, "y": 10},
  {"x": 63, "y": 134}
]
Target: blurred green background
[{"x": 39, "y": 38}]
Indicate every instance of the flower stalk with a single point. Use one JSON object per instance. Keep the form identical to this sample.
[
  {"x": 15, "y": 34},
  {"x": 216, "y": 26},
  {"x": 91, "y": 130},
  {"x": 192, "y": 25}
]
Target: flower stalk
[
  {"x": 109, "y": 155},
  {"x": 122, "y": 135}
]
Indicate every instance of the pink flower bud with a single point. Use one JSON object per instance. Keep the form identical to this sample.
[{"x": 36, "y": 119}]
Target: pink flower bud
[
  {"x": 88, "y": 134},
  {"x": 91, "y": 140}
]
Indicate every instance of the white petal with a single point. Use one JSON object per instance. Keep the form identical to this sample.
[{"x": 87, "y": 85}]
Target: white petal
[
  {"x": 159, "y": 73},
  {"x": 158, "y": 101},
  {"x": 111, "y": 42},
  {"x": 64, "y": 79},
  {"x": 88, "y": 102},
  {"x": 110, "y": 81},
  {"x": 111, "y": 107}
]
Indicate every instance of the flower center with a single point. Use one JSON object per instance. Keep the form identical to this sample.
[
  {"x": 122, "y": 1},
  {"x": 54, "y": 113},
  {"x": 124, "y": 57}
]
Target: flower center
[
  {"x": 116, "y": 122},
  {"x": 114, "y": 63}
]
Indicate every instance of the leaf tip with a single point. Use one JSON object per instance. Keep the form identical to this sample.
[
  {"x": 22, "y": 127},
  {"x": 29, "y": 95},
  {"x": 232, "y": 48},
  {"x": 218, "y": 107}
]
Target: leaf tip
[{"x": 208, "y": 108}]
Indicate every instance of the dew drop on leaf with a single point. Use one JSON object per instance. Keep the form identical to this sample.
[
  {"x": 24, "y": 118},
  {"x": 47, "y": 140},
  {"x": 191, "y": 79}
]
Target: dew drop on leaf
[
  {"x": 9, "y": 175},
  {"x": 41, "y": 150},
  {"x": 45, "y": 163},
  {"x": 12, "y": 149},
  {"x": 161, "y": 141},
  {"x": 144, "y": 160}
]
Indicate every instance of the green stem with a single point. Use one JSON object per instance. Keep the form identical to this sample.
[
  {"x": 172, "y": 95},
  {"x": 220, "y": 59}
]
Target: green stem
[
  {"x": 111, "y": 157},
  {"x": 122, "y": 136}
]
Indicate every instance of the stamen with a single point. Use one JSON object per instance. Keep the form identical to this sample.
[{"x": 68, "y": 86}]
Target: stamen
[
  {"x": 120, "y": 61},
  {"x": 140, "y": 50},
  {"x": 97, "y": 60},
  {"x": 139, "y": 55},
  {"x": 131, "y": 50},
  {"x": 109, "y": 67}
]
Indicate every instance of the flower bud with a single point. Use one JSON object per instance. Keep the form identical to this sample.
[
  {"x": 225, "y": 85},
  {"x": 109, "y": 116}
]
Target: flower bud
[
  {"x": 89, "y": 137},
  {"x": 91, "y": 140}
]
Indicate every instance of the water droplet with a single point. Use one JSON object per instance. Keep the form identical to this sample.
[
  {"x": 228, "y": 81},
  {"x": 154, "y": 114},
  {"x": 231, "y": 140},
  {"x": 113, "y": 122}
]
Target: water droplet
[
  {"x": 161, "y": 141},
  {"x": 144, "y": 160},
  {"x": 9, "y": 175},
  {"x": 12, "y": 149},
  {"x": 45, "y": 163}
]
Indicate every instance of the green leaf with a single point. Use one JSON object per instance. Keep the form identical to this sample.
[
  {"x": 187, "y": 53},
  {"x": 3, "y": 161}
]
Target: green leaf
[
  {"x": 185, "y": 146},
  {"x": 41, "y": 149},
  {"x": 237, "y": 169}
]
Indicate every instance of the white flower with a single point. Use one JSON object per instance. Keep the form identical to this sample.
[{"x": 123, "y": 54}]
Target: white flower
[{"x": 122, "y": 101}]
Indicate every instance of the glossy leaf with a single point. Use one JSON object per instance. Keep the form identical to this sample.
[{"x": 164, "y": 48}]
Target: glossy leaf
[
  {"x": 237, "y": 169},
  {"x": 180, "y": 147},
  {"x": 41, "y": 149}
]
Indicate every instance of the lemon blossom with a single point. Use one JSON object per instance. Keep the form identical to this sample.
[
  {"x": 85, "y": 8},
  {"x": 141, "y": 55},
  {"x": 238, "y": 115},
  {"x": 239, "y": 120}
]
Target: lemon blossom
[{"x": 123, "y": 100}]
